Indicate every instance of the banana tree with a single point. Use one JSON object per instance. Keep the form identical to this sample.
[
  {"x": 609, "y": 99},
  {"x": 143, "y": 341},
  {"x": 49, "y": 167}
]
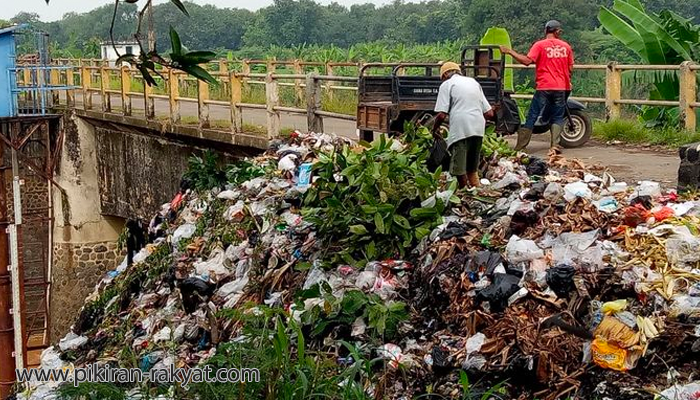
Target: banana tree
[{"x": 658, "y": 39}]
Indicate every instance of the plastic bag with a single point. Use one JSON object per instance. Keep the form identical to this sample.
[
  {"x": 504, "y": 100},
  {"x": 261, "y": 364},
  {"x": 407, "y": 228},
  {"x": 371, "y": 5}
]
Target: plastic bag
[
  {"x": 162, "y": 335},
  {"x": 215, "y": 267},
  {"x": 636, "y": 215},
  {"x": 72, "y": 341},
  {"x": 612, "y": 307},
  {"x": 690, "y": 391},
  {"x": 315, "y": 276},
  {"x": 229, "y": 195},
  {"x": 287, "y": 163},
  {"x": 663, "y": 213},
  {"x": 475, "y": 343},
  {"x": 537, "y": 167},
  {"x": 521, "y": 250},
  {"x": 647, "y": 188},
  {"x": 510, "y": 180},
  {"x": 392, "y": 353},
  {"x": 606, "y": 204},
  {"x": 522, "y": 220},
  {"x": 686, "y": 306},
  {"x": 575, "y": 190},
  {"x": 683, "y": 250},
  {"x": 439, "y": 156},
  {"x": 184, "y": 231},
  {"x": 561, "y": 279},
  {"x": 553, "y": 191},
  {"x": 498, "y": 293},
  {"x": 235, "y": 212},
  {"x": 578, "y": 248}
]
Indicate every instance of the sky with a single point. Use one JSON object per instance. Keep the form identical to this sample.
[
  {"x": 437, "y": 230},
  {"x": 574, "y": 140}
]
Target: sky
[{"x": 57, "y": 8}]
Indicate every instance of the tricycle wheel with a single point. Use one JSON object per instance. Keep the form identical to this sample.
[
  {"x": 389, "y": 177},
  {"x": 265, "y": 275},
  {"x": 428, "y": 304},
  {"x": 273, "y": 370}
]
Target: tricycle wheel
[{"x": 577, "y": 131}]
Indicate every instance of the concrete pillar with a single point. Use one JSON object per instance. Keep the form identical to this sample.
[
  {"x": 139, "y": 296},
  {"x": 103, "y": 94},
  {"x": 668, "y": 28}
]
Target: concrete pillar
[
  {"x": 85, "y": 241},
  {"x": 613, "y": 91}
]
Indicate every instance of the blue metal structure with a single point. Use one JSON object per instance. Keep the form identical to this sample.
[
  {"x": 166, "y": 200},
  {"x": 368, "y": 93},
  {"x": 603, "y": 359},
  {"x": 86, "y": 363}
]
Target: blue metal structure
[
  {"x": 8, "y": 79},
  {"x": 33, "y": 96}
]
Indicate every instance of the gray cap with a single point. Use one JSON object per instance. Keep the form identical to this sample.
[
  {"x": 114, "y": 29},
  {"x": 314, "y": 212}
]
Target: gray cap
[{"x": 552, "y": 26}]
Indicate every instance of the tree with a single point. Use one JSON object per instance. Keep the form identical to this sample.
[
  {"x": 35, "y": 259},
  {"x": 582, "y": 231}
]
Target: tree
[
  {"x": 148, "y": 58},
  {"x": 661, "y": 39}
]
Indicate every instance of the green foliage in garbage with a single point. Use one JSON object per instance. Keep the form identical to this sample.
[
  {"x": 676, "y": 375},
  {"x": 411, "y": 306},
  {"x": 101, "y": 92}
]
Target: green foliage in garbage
[
  {"x": 495, "y": 145},
  {"x": 91, "y": 391},
  {"x": 369, "y": 201},
  {"x": 243, "y": 171},
  {"x": 382, "y": 318},
  {"x": 207, "y": 172},
  {"x": 288, "y": 368}
]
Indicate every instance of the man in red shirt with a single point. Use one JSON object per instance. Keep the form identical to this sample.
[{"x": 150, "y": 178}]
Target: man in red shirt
[{"x": 554, "y": 61}]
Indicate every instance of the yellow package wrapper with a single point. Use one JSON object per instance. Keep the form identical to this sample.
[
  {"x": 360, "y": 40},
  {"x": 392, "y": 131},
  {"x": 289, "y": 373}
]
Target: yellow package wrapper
[
  {"x": 608, "y": 356},
  {"x": 612, "y": 307}
]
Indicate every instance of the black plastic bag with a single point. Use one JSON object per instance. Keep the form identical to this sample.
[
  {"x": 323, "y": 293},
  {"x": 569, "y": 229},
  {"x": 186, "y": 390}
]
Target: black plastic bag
[
  {"x": 522, "y": 220},
  {"x": 194, "y": 291},
  {"x": 439, "y": 156},
  {"x": 454, "y": 229},
  {"x": 537, "y": 167},
  {"x": 486, "y": 261},
  {"x": 508, "y": 117},
  {"x": 645, "y": 201},
  {"x": 536, "y": 192},
  {"x": 497, "y": 294},
  {"x": 561, "y": 279}
]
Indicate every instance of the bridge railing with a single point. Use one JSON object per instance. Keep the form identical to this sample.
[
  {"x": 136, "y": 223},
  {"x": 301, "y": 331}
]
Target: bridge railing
[
  {"x": 96, "y": 86},
  {"x": 313, "y": 84}
]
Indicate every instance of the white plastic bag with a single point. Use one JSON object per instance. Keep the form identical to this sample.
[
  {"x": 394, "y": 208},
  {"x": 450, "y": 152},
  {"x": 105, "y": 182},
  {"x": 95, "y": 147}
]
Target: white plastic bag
[
  {"x": 215, "y": 267},
  {"x": 184, "y": 231},
  {"x": 647, "y": 188},
  {"x": 521, "y": 250},
  {"x": 575, "y": 190},
  {"x": 678, "y": 392},
  {"x": 475, "y": 343},
  {"x": 509, "y": 179},
  {"x": 553, "y": 191},
  {"x": 72, "y": 341},
  {"x": 287, "y": 163},
  {"x": 683, "y": 250},
  {"x": 235, "y": 212}
]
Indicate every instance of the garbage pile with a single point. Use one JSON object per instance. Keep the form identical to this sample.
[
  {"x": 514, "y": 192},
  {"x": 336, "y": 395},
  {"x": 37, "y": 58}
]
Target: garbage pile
[{"x": 552, "y": 280}]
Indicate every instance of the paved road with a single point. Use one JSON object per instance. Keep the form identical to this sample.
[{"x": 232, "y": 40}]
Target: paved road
[{"x": 623, "y": 163}]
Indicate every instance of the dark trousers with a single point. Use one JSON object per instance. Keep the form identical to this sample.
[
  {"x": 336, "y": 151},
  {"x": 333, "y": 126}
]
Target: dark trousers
[{"x": 555, "y": 100}]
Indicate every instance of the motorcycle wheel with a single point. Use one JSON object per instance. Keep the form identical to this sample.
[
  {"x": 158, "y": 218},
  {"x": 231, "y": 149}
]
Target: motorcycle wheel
[{"x": 581, "y": 132}]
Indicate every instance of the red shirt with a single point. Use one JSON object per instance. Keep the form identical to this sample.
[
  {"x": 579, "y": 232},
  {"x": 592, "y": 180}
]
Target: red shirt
[{"x": 553, "y": 59}]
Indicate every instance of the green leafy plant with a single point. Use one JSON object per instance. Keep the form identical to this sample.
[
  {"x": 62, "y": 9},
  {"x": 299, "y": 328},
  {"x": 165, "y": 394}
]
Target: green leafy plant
[
  {"x": 370, "y": 201},
  {"x": 205, "y": 172},
  {"x": 289, "y": 368},
  {"x": 243, "y": 171},
  {"x": 91, "y": 391},
  {"x": 658, "y": 39},
  {"x": 383, "y": 318}
]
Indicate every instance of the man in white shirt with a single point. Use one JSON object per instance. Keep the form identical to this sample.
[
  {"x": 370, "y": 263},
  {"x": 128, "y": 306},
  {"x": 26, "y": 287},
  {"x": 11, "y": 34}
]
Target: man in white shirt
[{"x": 463, "y": 99}]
